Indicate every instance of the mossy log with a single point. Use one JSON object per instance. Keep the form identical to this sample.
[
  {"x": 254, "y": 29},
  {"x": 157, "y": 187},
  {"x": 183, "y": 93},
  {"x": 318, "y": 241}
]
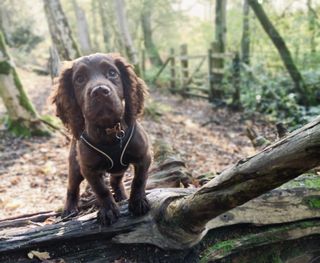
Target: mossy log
[
  {"x": 181, "y": 218},
  {"x": 22, "y": 119}
]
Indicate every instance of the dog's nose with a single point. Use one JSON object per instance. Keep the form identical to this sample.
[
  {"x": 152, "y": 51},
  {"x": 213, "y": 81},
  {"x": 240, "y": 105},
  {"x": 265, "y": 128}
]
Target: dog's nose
[{"x": 100, "y": 90}]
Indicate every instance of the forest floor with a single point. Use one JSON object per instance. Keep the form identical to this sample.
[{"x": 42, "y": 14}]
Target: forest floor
[{"x": 33, "y": 171}]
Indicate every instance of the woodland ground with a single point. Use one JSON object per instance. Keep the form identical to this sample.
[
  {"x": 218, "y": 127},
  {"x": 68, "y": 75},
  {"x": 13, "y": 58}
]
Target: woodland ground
[{"x": 33, "y": 171}]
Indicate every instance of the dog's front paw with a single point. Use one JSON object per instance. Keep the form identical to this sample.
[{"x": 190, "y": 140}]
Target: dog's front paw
[
  {"x": 69, "y": 211},
  {"x": 108, "y": 215},
  {"x": 120, "y": 196},
  {"x": 139, "y": 206}
]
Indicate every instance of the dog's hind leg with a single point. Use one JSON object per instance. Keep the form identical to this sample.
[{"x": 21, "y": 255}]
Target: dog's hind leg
[{"x": 118, "y": 187}]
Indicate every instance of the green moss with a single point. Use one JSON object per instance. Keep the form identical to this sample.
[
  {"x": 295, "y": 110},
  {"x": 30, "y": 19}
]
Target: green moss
[
  {"x": 23, "y": 98},
  {"x": 5, "y": 68},
  {"x": 3, "y": 48},
  {"x": 222, "y": 248},
  {"x": 53, "y": 120},
  {"x": 18, "y": 128},
  {"x": 313, "y": 202},
  {"x": 307, "y": 180},
  {"x": 22, "y": 129},
  {"x": 313, "y": 183}
]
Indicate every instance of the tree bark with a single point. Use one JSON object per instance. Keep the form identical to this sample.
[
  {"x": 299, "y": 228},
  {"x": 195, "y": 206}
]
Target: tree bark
[
  {"x": 125, "y": 33},
  {"x": 283, "y": 50},
  {"x": 82, "y": 28},
  {"x": 221, "y": 24},
  {"x": 249, "y": 178},
  {"x": 245, "y": 40},
  {"x": 60, "y": 31},
  {"x": 23, "y": 119},
  {"x": 149, "y": 44}
]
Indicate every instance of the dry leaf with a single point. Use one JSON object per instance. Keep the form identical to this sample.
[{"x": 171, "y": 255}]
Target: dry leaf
[{"x": 40, "y": 255}]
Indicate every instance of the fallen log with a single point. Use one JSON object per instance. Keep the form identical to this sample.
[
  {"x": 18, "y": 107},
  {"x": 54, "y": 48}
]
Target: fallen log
[{"x": 180, "y": 218}]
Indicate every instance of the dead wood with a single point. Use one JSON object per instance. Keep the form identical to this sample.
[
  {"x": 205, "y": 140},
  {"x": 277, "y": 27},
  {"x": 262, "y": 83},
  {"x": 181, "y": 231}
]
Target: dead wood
[{"x": 180, "y": 218}]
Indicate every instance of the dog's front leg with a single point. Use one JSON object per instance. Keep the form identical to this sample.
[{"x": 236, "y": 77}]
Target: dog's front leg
[
  {"x": 74, "y": 180},
  {"x": 109, "y": 211},
  {"x": 138, "y": 203}
]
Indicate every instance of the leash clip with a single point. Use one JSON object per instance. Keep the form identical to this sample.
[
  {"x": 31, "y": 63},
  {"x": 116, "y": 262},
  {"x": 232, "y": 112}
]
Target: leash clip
[{"x": 120, "y": 135}]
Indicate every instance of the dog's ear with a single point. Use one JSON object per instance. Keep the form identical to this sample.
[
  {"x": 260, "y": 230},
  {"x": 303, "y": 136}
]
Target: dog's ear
[
  {"x": 135, "y": 90},
  {"x": 67, "y": 108}
]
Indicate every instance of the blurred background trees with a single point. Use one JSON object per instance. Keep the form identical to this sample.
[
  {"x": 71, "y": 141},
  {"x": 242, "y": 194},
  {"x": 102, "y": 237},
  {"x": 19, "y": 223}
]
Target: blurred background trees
[{"x": 278, "y": 61}]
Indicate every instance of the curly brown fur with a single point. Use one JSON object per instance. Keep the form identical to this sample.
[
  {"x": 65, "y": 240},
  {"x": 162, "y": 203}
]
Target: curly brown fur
[
  {"x": 67, "y": 109},
  {"x": 93, "y": 94}
]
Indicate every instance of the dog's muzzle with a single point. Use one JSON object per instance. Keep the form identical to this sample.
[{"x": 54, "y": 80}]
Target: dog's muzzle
[{"x": 100, "y": 90}]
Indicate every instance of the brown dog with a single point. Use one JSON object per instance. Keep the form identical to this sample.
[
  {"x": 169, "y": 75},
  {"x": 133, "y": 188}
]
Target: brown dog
[{"x": 99, "y": 98}]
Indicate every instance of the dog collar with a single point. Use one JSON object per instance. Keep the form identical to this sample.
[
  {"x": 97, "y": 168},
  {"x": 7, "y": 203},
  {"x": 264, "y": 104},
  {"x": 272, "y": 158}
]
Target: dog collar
[{"x": 114, "y": 154}]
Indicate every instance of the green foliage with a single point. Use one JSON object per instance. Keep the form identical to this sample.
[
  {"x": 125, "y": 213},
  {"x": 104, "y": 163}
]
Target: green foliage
[{"x": 24, "y": 39}]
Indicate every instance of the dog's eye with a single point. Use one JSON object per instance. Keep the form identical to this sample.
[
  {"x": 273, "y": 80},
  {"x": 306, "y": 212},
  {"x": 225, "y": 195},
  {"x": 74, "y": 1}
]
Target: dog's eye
[
  {"x": 112, "y": 74},
  {"x": 80, "y": 79}
]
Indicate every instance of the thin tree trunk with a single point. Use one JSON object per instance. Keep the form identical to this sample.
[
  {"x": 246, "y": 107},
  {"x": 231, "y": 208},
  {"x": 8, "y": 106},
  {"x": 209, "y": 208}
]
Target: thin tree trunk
[
  {"x": 245, "y": 40},
  {"x": 282, "y": 49},
  {"x": 221, "y": 24},
  {"x": 95, "y": 31},
  {"x": 150, "y": 47},
  {"x": 82, "y": 28},
  {"x": 312, "y": 17},
  {"x": 5, "y": 23},
  {"x": 104, "y": 22},
  {"x": 23, "y": 119},
  {"x": 125, "y": 33},
  {"x": 60, "y": 31}
]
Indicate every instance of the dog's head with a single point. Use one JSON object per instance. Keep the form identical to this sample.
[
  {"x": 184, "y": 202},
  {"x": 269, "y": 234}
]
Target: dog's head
[{"x": 100, "y": 89}]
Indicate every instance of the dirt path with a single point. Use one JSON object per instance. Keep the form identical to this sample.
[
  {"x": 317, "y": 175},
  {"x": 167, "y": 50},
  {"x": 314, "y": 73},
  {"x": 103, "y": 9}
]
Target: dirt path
[{"x": 33, "y": 171}]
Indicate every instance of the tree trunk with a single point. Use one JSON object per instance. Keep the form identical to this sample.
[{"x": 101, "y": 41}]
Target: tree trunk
[
  {"x": 82, "y": 28},
  {"x": 95, "y": 32},
  {"x": 23, "y": 119},
  {"x": 60, "y": 31},
  {"x": 6, "y": 23},
  {"x": 282, "y": 49},
  {"x": 125, "y": 33},
  {"x": 150, "y": 47},
  {"x": 180, "y": 218},
  {"x": 245, "y": 40},
  {"x": 221, "y": 24},
  {"x": 104, "y": 22},
  {"x": 312, "y": 17}
]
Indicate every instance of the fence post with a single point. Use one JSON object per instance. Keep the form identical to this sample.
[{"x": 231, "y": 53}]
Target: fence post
[
  {"x": 236, "y": 101},
  {"x": 184, "y": 67},
  {"x": 172, "y": 71},
  {"x": 210, "y": 75},
  {"x": 217, "y": 72}
]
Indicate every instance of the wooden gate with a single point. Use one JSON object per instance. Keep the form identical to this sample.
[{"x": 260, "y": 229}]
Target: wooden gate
[{"x": 196, "y": 75}]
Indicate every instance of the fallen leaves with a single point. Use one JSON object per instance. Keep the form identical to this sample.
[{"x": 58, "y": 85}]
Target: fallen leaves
[{"x": 39, "y": 255}]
